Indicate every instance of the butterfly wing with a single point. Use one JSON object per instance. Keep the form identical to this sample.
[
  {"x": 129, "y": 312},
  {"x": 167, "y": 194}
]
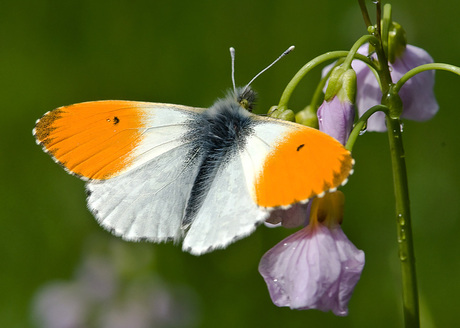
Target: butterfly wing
[
  {"x": 280, "y": 165},
  {"x": 136, "y": 158},
  {"x": 228, "y": 212},
  {"x": 102, "y": 139},
  {"x": 147, "y": 202},
  {"x": 298, "y": 163}
]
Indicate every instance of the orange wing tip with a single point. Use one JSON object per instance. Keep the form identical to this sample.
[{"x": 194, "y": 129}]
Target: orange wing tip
[
  {"x": 34, "y": 130},
  {"x": 320, "y": 195},
  {"x": 92, "y": 140},
  {"x": 41, "y": 143},
  {"x": 81, "y": 177},
  {"x": 325, "y": 163}
]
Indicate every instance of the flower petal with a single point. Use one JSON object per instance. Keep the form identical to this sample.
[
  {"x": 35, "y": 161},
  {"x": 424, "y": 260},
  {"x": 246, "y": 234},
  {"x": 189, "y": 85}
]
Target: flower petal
[
  {"x": 417, "y": 95},
  {"x": 368, "y": 95},
  {"x": 352, "y": 264},
  {"x": 336, "y": 118},
  {"x": 307, "y": 270}
]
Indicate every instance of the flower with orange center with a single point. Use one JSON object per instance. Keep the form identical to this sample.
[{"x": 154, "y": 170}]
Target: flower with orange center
[{"x": 317, "y": 267}]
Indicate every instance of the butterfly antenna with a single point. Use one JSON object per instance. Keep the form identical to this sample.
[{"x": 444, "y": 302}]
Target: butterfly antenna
[
  {"x": 273, "y": 63},
  {"x": 232, "y": 54}
]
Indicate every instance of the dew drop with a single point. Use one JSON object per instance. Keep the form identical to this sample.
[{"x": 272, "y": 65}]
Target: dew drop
[
  {"x": 363, "y": 129},
  {"x": 402, "y": 256},
  {"x": 401, "y": 126},
  {"x": 402, "y": 235},
  {"x": 401, "y": 220}
]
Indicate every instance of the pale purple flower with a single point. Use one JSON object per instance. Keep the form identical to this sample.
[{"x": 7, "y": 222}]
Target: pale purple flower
[
  {"x": 419, "y": 102},
  {"x": 100, "y": 295},
  {"x": 59, "y": 305},
  {"x": 315, "y": 268},
  {"x": 335, "y": 117}
]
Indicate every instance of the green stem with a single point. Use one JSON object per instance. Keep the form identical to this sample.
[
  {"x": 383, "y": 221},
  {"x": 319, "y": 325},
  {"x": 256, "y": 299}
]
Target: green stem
[
  {"x": 423, "y": 68},
  {"x": 404, "y": 228},
  {"x": 284, "y": 100},
  {"x": 378, "y": 9},
  {"x": 385, "y": 27},
  {"x": 401, "y": 190},
  {"x": 361, "y": 123},
  {"x": 384, "y": 69},
  {"x": 354, "y": 49},
  {"x": 365, "y": 13}
]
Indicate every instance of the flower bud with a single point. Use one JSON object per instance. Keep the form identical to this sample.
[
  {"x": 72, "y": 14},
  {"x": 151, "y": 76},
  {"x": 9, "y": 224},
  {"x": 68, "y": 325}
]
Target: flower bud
[
  {"x": 286, "y": 114},
  {"x": 307, "y": 116},
  {"x": 396, "y": 42},
  {"x": 342, "y": 83},
  {"x": 336, "y": 118}
]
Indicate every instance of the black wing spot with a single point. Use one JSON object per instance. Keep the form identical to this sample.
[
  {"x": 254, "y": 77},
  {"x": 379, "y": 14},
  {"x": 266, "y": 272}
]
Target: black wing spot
[
  {"x": 115, "y": 120},
  {"x": 300, "y": 147}
]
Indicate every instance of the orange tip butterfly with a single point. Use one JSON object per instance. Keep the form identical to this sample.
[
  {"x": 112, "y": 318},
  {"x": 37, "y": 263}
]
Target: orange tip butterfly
[{"x": 208, "y": 177}]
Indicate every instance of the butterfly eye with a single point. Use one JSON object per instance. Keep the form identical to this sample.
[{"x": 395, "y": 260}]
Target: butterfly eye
[
  {"x": 246, "y": 98},
  {"x": 245, "y": 104}
]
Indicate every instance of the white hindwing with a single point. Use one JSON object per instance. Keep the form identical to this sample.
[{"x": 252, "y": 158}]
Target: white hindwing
[{"x": 228, "y": 212}]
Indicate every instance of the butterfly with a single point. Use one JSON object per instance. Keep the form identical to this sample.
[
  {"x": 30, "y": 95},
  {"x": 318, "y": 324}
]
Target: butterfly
[{"x": 163, "y": 172}]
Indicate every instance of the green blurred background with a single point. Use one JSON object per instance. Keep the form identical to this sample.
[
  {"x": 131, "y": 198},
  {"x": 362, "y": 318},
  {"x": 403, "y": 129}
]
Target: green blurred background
[{"x": 55, "y": 53}]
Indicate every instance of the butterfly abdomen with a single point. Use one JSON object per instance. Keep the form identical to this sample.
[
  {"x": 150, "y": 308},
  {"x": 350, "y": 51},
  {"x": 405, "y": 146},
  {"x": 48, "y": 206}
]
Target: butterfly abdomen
[{"x": 223, "y": 130}]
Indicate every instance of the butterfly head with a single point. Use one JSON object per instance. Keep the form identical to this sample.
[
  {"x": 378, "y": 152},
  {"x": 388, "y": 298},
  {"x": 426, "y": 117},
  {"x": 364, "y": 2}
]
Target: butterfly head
[{"x": 245, "y": 97}]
